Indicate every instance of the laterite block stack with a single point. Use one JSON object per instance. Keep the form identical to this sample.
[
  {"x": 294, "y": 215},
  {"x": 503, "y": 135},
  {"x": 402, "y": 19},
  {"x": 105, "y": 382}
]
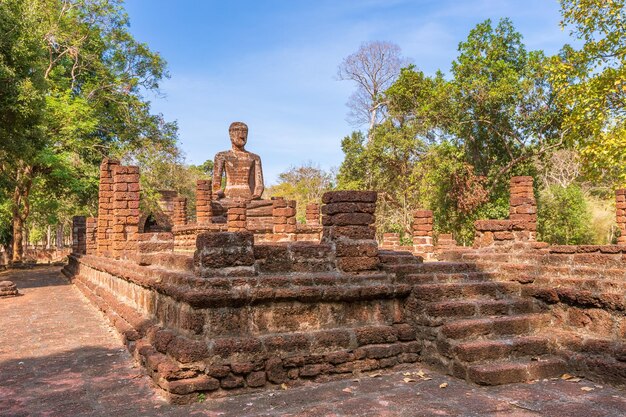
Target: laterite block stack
[
  {"x": 423, "y": 232},
  {"x": 125, "y": 210},
  {"x": 391, "y": 241},
  {"x": 204, "y": 212},
  {"x": 522, "y": 205},
  {"x": 348, "y": 222},
  {"x": 236, "y": 218},
  {"x": 91, "y": 235},
  {"x": 105, "y": 207},
  {"x": 284, "y": 216},
  {"x": 313, "y": 214},
  {"x": 79, "y": 235},
  {"x": 179, "y": 215}
]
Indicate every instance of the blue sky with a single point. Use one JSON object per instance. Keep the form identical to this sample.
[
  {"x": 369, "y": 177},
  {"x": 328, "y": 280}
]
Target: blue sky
[{"x": 273, "y": 64}]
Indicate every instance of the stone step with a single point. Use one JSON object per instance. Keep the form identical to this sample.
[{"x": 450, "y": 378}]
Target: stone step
[
  {"x": 451, "y": 277},
  {"x": 475, "y": 308},
  {"x": 431, "y": 267},
  {"x": 168, "y": 261},
  {"x": 494, "y": 326},
  {"x": 521, "y": 370},
  {"x": 514, "y": 347},
  {"x": 456, "y": 290},
  {"x": 589, "y": 284},
  {"x": 398, "y": 258}
]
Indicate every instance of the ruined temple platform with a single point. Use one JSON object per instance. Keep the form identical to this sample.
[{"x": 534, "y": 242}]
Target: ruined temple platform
[{"x": 60, "y": 357}]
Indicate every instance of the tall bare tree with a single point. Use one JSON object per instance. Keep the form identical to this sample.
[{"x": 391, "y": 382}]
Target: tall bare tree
[{"x": 374, "y": 67}]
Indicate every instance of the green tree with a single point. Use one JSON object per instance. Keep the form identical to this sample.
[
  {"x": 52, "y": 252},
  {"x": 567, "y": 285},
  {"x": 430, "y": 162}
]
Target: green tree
[
  {"x": 305, "y": 184},
  {"x": 563, "y": 216},
  {"x": 73, "y": 80},
  {"x": 591, "y": 81}
]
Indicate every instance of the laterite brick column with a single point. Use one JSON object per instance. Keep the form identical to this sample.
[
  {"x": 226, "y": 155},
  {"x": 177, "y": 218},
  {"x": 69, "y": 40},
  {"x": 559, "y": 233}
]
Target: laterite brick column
[
  {"x": 313, "y": 214},
  {"x": 236, "y": 217},
  {"x": 423, "y": 231},
  {"x": 104, "y": 240},
  {"x": 620, "y": 214},
  {"x": 91, "y": 235},
  {"x": 348, "y": 220},
  {"x": 179, "y": 212},
  {"x": 204, "y": 212},
  {"x": 284, "y": 216},
  {"x": 79, "y": 235},
  {"x": 523, "y": 207},
  {"x": 125, "y": 210}
]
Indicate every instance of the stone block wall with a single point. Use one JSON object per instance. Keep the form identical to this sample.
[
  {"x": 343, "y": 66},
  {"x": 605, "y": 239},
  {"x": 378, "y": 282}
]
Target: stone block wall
[
  {"x": 236, "y": 218},
  {"x": 313, "y": 214},
  {"x": 204, "y": 211},
  {"x": 620, "y": 214},
  {"x": 179, "y": 214},
  {"x": 348, "y": 223},
  {"x": 125, "y": 210},
  {"x": 219, "y": 335},
  {"x": 91, "y": 230},
  {"x": 225, "y": 254},
  {"x": 284, "y": 215},
  {"x": 259, "y": 216},
  {"x": 79, "y": 235},
  {"x": 445, "y": 242},
  {"x": 105, "y": 207},
  {"x": 391, "y": 241}
]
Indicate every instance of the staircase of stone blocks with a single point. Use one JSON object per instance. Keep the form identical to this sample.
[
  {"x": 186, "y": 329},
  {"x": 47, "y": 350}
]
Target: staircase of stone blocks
[{"x": 473, "y": 326}]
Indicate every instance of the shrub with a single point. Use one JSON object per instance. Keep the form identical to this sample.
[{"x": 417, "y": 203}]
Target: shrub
[{"x": 564, "y": 217}]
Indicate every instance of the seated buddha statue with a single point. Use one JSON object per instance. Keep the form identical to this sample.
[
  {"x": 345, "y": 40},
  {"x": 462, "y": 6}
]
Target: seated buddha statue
[{"x": 243, "y": 171}]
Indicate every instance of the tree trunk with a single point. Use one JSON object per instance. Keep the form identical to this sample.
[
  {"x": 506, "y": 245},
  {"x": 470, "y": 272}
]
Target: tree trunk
[
  {"x": 21, "y": 209},
  {"x": 59, "y": 236},
  {"x": 18, "y": 239},
  {"x": 49, "y": 237}
]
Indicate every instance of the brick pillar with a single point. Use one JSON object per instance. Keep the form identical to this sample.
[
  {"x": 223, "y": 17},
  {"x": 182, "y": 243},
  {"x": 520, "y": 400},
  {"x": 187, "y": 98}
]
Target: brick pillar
[
  {"x": 104, "y": 240},
  {"x": 620, "y": 214},
  {"x": 236, "y": 217},
  {"x": 348, "y": 220},
  {"x": 204, "y": 212},
  {"x": 313, "y": 214},
  {"x": 284, "y": 215},
  {"x": 125, "y": 210},
  {"x": 179, "y": 211},
  {"x": 423, "y": 231},
  {"x": 523, "y": 207},
  {"x": 79, "y": 235},
  {"x": 91, "y": 235}
]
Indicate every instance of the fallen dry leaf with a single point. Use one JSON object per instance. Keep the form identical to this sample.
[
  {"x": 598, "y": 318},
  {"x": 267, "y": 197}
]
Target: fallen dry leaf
[
  {"x": 574, "y": 380},
  {"x": 407, "y": 380},
  {"x": 377, "y": 374},
  {"x": 444, "y": 385},
  {"x": 406, "y": 374},
  {"x": 346, "y": 390},
  {"x": 283, "y": 386},
  {"x": 586, "y": 389},
  {"x": 565, "y": 377}
]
